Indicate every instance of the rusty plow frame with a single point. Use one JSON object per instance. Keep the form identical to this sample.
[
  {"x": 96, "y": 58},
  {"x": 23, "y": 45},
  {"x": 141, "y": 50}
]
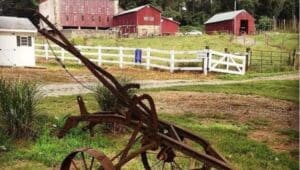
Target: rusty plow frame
[{"x": 167, "y": 141}]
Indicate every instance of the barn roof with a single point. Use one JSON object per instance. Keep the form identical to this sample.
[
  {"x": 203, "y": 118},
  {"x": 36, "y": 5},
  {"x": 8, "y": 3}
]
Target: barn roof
[
  {"x": 170, "y": 19},
  {"x": 224, "y": 16},
  {"x": 16, "y": 24},
  {"x": 136, "y": 9}
]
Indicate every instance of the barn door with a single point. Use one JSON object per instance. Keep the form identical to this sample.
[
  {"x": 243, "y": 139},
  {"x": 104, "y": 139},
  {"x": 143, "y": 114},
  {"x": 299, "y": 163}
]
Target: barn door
[{"x": 244, "y": 27}]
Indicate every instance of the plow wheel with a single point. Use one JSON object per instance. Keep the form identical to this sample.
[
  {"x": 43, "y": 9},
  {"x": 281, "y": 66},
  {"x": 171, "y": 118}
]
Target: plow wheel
[
  {"x": 87, "y": 159},
  {"x": 168, "y": 159}
]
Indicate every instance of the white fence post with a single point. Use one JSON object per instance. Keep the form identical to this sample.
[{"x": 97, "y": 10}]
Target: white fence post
[
  {"x": 244, "y": 65},
  {"x": 148, "y": 58},
  {"x": 209, "y": 58},
  {"x": 62, "y": 54},
  {"x": 46, "y": 51},
  {"x": 121, "y": 57},
  {"x": 99, "y": 56},
  {"x": 172, "y": 61}
]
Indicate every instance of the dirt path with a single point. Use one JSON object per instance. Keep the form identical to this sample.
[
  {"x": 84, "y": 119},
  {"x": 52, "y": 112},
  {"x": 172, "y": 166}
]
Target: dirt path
[
  {"x": 267, "y": 117},
  {"x": 59, "y": 89}
]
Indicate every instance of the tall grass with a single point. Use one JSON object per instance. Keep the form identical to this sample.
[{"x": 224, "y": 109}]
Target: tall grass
[
  {"x": 108, "y": 102},
  {"x": 18, "y": 104}
]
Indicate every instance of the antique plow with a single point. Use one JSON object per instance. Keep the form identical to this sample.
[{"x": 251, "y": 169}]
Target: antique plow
[{"x": 153, "y": 140}]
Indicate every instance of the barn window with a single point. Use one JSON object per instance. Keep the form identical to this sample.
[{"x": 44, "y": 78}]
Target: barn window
[
  {"x": 99, "y": 18},
  {"x": 148, "y": 18},
  {"x": 107, "y": 19},
  {"x": 24, "y": 41},
  {"x": 82, "y": 18}
]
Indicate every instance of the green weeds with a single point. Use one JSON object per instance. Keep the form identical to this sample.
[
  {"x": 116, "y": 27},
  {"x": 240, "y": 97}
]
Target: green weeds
[
  {"x": 18, "y": 107},
  {"x": 278, "y": 89}
]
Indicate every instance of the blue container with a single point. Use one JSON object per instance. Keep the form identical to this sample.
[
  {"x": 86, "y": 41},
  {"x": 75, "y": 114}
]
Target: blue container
[{"x": 138, "y": 56}]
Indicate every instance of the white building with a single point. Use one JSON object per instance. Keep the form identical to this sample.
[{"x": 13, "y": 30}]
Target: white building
[{"x": 16, "y": 41}]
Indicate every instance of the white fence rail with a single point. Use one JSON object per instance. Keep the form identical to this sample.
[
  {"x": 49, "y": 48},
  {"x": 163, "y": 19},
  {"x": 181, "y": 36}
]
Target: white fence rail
[{"x": 201, "y": 60}]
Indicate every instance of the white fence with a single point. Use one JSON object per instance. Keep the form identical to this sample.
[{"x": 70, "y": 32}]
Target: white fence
[{"x": 200, "y": 60}]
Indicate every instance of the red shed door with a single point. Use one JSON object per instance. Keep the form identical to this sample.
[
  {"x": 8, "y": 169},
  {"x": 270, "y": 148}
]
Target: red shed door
[{"x": 244, "y": 27}]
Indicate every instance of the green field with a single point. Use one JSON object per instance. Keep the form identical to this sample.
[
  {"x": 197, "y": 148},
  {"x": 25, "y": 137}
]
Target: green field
[
  {"x": 280, "y": 59},
  {"x": 279, "y": 41},
  {"x": 230, "y": 138},
  {"x": 285, "y": 90}
]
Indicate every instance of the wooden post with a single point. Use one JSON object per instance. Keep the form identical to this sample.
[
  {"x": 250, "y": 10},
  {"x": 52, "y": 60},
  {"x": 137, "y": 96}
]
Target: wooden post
[
  {"x": 294, "y": 55},
  {"x": 172, "y": 61},
  {"x": 226, "y": 58},
  {"x": 46, "y": 51},
  {"x": 208, "y": 60},
  {"x": 99, "y": 56},
  {"x": 248, "y": 55},
  {"x": 296, "y": 59},
  {"x": 121, "y": 57},
  {"x": 148, "y": 55}
]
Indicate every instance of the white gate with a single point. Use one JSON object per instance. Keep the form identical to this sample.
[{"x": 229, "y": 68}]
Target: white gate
[{"x": 226, "y": 63}]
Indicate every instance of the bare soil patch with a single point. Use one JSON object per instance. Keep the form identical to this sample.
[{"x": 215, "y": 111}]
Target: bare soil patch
[
  {"x": 267, "y": 116},
  {"x": 54, "y": 74}
]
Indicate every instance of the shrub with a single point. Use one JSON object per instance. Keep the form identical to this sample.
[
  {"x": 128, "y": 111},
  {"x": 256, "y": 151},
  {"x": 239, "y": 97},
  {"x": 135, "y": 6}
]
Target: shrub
[
  {"x": 264, "y": 23},
  {"x": 108, "y": 102},
  {"x": 18, "y": 103}
]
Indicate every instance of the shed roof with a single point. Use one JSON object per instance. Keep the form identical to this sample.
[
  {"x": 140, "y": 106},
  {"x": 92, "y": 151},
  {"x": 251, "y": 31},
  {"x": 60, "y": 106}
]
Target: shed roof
[
  {"x": 224, "y": 16},
  {"x": 8, "y": 23},
  {"x": 169, "y": 19},
  {"x": 136, "y": 9}
]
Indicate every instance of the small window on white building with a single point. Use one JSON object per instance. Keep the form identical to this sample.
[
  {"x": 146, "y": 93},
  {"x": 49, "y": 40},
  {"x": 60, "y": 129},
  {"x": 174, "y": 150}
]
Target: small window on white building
[{"x": 24, "y": 41}]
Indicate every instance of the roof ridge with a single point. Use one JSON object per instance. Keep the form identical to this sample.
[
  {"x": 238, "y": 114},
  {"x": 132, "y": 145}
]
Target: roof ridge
[{"x": 224, "y": 16}]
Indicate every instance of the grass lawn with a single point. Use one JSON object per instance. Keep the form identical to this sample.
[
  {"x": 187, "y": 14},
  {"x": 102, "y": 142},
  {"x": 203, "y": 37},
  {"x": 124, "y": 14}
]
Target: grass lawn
[
  {"x": 278, "y": 41},
  {"x": 230, "y": 138},
  {"x": 285, "y": 89}
]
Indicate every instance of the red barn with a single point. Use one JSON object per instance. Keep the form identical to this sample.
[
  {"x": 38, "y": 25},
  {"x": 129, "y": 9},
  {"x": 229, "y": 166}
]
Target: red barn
[
  {"x": 143, "y": 21},
  {"x": 169, "y": 26},
  {"x": 90, "y": 14},
  {"x": 233, "y": 22}
]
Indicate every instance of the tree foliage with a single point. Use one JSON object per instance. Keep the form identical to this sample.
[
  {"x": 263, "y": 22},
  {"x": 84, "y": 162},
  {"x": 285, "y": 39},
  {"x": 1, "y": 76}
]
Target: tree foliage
[
  {"x": 196, "y": 12},
  {"x": 190, "y": 12}
]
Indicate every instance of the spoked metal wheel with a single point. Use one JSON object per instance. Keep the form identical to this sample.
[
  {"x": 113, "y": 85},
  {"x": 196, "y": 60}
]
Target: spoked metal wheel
[
  {"x": 168, "y": 159},
  {"x": 87, "y": 159}
]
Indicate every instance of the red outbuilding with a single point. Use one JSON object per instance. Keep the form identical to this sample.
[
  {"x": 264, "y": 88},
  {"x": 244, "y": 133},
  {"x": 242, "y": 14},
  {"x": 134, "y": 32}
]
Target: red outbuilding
[
  {"x": 169, "y": 26},
  {"x": 233, "y": 22},
  {"x": 143, "y": 21},
  {"x": 81, "y": 14}
]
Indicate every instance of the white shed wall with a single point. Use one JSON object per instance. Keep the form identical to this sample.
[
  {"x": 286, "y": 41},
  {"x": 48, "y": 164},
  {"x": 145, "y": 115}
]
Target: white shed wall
[{"x": 12, "y": 55}]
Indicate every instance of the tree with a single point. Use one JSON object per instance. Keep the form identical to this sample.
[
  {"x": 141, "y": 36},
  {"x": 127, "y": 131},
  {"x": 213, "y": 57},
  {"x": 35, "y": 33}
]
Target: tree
[{"x": 7, "y": 5}]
